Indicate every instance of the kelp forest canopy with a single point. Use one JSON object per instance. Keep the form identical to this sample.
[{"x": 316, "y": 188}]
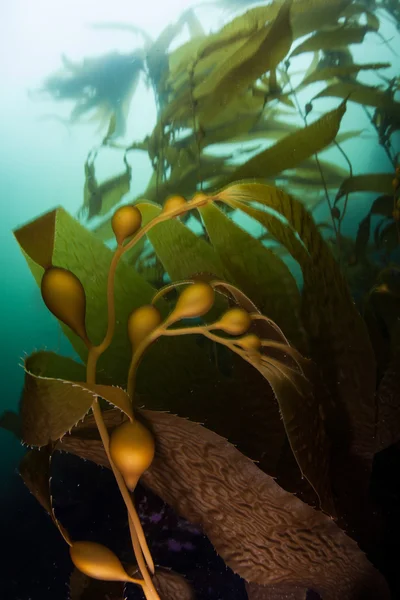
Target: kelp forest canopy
[{"x": 249, "y": 101}]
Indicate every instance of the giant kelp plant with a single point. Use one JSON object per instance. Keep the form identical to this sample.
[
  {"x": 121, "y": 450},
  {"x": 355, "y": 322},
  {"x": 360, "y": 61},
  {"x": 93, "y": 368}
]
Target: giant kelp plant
[
  {"x": 326, "y": 407},
  {"x": 287, "y": 373}
]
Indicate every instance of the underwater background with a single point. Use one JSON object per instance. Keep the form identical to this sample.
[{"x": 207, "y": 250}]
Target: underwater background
[{"x": 42, "y": 166}]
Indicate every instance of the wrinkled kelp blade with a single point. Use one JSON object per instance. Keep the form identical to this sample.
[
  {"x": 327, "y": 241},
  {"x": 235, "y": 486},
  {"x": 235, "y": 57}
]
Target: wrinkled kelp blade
[
  {"x": 171, "y": 585},
  {"x": 262, "y": 532},
  {"x": 276, "y": 592}
]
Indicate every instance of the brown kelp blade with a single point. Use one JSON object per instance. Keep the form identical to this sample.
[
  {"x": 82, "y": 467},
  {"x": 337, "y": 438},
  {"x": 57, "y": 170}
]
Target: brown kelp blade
[
  {"x": 276, "y": 592},
  {"x": 251, "y": 508}
]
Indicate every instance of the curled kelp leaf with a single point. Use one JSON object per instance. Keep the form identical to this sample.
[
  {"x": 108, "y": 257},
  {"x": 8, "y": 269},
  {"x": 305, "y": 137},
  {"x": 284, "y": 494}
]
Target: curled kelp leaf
[
  {"x": 341, "y": 72},
  {"x": 294, "y": 148},
  {"x": 370, "y": 182},
  {"x": 381, "y": 206},
  {"x": 363, "y": 94},
  {"x": 328, "y": 40},
  {"x": 249, "y": 519},
  {"x": 51, "y": 406},
  {"x": 99, "y": 199}
]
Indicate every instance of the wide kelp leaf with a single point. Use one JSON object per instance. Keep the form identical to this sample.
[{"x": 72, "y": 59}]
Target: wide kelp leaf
[
  {"x": 338, "y": 337},
  {"x": 368, "y": 182},
  {"x": 363, "y": 94},
  {"x": 256, "y": 270},
  {"x": 294, "y": 148},
  {"x": 262, "y": 52},
  {"x": 58, "y": 239},
  {"x": 52, "y": 405},
  {"x": 263, "y": 533},
  {"x": 180, "y": 250}
]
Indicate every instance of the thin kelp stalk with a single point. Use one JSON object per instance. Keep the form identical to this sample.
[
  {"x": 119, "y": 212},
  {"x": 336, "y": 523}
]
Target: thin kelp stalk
[
  {"x": 65, "y": 297},
  {"x": 304, "y": 117},
  {"x": 197, "y": 131},
  {"x": 343, "y": 153},
  {"x": 396, "y": 201}
]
